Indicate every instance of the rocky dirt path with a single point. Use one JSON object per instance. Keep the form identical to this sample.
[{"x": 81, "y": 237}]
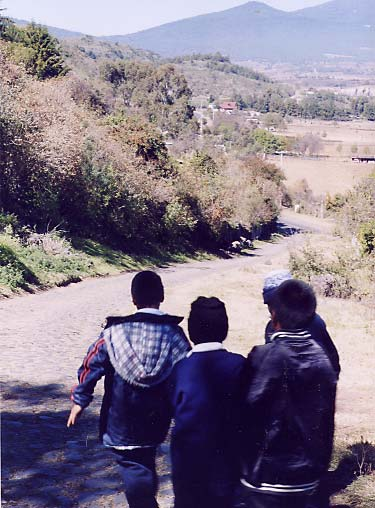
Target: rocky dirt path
[{"x": 45, "y": 337}]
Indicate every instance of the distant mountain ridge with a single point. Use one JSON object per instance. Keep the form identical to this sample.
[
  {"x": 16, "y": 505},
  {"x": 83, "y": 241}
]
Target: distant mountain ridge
[
  {"x": 256, "y": 31},
  {"x": 60, "y": 33}
]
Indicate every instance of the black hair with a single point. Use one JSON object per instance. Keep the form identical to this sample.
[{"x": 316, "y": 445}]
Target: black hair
[
  {"x": 293, "y": 304},
  {"x": 208, "y": 320},
  {"x": 147, "y": 289}
]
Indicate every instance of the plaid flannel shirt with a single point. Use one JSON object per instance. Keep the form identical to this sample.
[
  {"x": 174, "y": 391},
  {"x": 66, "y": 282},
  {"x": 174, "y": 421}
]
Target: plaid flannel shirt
[{"x": 143, "y": 354}]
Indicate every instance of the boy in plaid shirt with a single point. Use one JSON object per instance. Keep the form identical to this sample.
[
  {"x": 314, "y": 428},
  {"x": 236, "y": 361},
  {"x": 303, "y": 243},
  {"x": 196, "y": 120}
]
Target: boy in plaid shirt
[{"x": 136, "y": 355}]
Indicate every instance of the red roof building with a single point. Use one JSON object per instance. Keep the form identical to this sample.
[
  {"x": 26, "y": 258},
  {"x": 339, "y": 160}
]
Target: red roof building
[{"x": 228, "y": 106}]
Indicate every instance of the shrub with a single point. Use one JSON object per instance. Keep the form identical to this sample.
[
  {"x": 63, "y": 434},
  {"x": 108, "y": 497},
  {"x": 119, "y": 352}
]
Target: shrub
[
  {"x": 13, "y": 272},
  {"x": 328, "y": 277},
  {"x": 366, "y": 237}
]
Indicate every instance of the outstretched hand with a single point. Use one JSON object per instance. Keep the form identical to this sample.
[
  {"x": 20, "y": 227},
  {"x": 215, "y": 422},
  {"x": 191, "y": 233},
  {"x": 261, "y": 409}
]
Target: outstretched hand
[{"x": 75, "y": 412}]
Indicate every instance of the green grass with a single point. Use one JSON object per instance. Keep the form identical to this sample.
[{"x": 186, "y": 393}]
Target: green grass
[{"x": 30, "y": 267}]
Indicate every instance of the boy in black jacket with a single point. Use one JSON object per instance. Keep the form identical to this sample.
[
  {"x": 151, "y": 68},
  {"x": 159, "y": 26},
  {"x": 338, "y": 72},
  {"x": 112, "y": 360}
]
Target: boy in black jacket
[
  {"x": 290, "y": 401},
  {"x": 205, "y": 392},
  {"x": 316, "y": 326},
  {"x": 136, "y": 355}
]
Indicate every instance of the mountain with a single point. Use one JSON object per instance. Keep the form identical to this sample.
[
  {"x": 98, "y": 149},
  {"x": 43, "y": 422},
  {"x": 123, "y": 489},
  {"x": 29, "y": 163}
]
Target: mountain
[
  {"x": 60, "y": 33},
  {"x": 352, "y": 12},
  {"x": 256, "y": 31}
]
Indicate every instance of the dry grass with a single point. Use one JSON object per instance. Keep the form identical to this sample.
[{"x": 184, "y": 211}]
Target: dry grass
[
  {"x": 324, "y": 176},
  {"x": 359, "y": 131},
  {"x": 337, "y": 173}
]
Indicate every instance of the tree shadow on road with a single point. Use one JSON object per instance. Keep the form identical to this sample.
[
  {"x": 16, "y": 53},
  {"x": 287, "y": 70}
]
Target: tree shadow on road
[{"x": 47, "y": 465}]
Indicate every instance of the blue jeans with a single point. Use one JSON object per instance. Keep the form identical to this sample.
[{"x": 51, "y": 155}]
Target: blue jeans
[{"x": 137, "y": 468}]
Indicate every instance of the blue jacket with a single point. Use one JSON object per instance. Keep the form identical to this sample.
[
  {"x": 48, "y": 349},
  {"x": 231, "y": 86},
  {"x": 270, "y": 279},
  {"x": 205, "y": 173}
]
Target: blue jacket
[
  {"x": 206, "y": 396},
  {"x": 136, "y": 355}
]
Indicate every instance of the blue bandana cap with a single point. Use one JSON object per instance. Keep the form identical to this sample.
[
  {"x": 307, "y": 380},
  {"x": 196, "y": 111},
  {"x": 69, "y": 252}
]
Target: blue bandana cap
[{"x": 272, "y": 281}]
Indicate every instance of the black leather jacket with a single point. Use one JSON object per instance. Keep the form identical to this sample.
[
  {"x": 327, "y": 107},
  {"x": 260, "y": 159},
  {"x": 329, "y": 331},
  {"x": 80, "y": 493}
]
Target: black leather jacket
[
  {"x": 319, "y": 332},
  {"x": 290, "y": 404}
]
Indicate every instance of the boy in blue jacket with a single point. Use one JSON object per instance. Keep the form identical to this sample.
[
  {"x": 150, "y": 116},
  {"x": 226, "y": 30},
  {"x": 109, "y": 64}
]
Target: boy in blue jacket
[
  {"x": 205, "y": 388},
  {"x": 136, "y": 355}
]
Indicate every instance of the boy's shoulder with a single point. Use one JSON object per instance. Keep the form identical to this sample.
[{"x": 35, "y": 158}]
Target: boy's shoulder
[
  {"x": 231, "y": 360},
  {"x": 144, "y": 317},
  {"x": 272, "y": 352}
]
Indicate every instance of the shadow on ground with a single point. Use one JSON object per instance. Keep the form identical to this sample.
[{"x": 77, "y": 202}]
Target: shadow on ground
[
  {"x": 287, "y": 229},
  {"x": 357, "y": 461},
  {"x": 47, "y": 465}
]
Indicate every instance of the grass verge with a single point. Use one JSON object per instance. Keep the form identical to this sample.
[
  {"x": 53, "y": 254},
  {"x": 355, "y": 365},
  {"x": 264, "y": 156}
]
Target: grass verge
[{"x": 53, "y": 261}]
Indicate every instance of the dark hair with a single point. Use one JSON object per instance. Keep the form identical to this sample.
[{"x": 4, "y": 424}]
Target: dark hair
[
  {"x": 147, "y": 289},
  {"x": 293, "y": 304},
  {"x": 208, "y": 320}
]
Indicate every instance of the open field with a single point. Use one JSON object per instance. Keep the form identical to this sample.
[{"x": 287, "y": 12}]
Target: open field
[
  {"x": 335, "y": 173},
  {"x": 323, "y": 175},
  {"x": 48, "y": 334},
  {"x": 333, "y": 134}
]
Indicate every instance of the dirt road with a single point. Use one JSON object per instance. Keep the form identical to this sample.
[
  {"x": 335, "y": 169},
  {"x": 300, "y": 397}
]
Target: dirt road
[{"x": 47, "y": 334}]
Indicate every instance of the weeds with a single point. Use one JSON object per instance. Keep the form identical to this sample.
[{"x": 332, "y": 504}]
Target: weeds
[{"x": 344, "y": 275}]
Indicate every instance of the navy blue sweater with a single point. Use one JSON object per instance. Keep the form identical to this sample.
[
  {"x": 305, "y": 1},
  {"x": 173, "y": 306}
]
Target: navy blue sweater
[{"x": 205, "y": 393}]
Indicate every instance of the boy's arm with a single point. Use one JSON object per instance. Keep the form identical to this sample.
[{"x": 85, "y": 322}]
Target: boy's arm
[
  {"x": 264, "y": 372},
  {"x": 321, "y": 335},
  {"x": 94, "y": 367}
]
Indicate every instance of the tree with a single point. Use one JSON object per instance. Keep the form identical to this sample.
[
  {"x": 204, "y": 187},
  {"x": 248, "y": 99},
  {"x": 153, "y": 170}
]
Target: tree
[
  {"x": 369, "y": 111},
  {"x": 35, "y": 48},
  {"x": 159, "y": 93},
  {"x": 47, "y": 61},
  {"x": 309, "y": 142},
  {"x": 273, "y": 120},
  {"x": 268, "y": 141}
]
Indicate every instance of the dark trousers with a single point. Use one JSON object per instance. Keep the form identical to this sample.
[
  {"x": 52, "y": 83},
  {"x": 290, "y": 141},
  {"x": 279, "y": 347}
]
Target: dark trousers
[
  {"x": 196, "y": 496},
  {"x": 251, "y": 499},
  {"x": 137, "y": 468}
]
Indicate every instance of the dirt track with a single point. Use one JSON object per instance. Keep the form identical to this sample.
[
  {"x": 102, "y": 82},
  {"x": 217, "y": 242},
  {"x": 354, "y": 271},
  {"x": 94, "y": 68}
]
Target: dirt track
[{"x": 46, "y": 336}]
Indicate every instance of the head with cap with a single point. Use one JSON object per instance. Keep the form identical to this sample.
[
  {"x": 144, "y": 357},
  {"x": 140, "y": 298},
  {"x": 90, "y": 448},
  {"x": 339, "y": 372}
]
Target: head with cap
[
  {"x": 293, "y": 305},
  {"x": 208, "y": 320},
  {"x": 272, "y": 281},
  {"x": 147, "y": 290}
]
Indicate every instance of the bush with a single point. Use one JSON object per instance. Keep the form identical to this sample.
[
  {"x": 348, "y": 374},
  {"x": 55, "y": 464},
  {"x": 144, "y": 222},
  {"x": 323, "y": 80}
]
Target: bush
[
  {"x": 333, "y": 278},
  {"x": 366, "y": 237},
  {"x": 13, "y": 272}
]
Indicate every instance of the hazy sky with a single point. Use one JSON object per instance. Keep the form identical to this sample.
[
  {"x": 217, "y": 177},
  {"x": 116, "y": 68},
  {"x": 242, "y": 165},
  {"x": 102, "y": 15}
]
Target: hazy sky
[{"x": 110, "y": 17}]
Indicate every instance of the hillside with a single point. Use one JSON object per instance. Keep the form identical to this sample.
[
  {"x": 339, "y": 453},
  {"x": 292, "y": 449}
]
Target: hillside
[
  {"x": 85, "y": 54},
  {"x": 60, "y": 33},
  {"x": 210, "y": 74},
  {"x": 353, "y": 12},
  {"x": 257, "y": 31}
]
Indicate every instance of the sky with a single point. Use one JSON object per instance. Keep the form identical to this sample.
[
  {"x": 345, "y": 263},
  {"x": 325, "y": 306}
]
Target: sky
[{"x": 120, "y": 17}]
